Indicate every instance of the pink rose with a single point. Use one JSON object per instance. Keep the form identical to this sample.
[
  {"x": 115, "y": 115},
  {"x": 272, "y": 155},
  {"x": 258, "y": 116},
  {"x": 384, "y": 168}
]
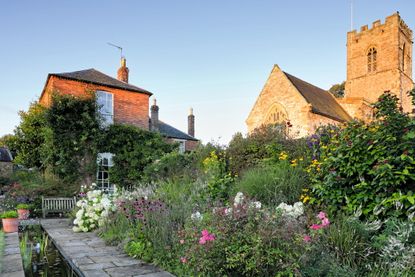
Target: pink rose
[
  {"x": 205, "y": 233},
  {"x": 307, "y": 238}
]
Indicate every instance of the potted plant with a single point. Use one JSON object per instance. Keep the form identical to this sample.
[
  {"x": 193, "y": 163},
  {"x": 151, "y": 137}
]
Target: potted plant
[
  {"x": 10, "y": 221},
  {"x": 23, "y": 211}
]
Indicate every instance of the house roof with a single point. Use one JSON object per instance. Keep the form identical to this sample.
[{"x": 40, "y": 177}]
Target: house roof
[
  {"x": 322, "y": 101},
  {"x": 5, "y": 155},
  {"x": 96, "y": 77},
  {"x": 171, "y": 132}
]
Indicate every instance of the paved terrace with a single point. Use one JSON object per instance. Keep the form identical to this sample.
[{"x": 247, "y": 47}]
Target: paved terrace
[
  {"x": 89, "y": 254},
  {"x": 12, "y": 265}
]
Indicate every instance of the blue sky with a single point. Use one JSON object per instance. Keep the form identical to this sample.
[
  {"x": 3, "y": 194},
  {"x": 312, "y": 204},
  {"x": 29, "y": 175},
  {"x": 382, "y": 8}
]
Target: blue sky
[{"x": 214, "y": 56}]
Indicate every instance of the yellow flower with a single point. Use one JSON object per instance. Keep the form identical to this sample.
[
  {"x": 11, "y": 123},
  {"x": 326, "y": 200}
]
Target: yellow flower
[{"x": 283, "y": 156}]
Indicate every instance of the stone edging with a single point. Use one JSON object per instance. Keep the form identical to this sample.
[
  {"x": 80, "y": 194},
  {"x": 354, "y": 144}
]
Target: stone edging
[
  {"x": 89, "y": 254},
  {"x": 12, "y": 259}
]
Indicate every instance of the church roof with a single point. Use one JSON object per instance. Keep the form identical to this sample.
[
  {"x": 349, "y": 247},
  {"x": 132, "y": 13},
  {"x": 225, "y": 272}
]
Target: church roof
[
  {"x": 96, "y": 77},
  {"x": 322, "y": 101}
]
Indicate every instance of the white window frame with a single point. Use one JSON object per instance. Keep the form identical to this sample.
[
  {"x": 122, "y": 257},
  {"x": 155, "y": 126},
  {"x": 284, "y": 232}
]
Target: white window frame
[
  {"x": 104, "y": 184},
  {"x": 182, "y": 145},
  {"x": 108, "y": 118}
]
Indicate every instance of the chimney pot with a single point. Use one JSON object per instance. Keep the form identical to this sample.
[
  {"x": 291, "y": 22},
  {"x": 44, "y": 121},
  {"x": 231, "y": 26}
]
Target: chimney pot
[
  {"x": 123, "y": 71},
  {"x": 154, "y": 116},
  {"x": 191, "y": 123}
]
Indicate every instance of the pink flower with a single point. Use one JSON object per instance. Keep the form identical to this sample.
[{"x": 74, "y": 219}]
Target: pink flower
[
  {"x": 325, "y": 222},
  {"x": 183, "y": 260},
  {"x": 307, "y": 238},
  {"x": 316, "y": 226},
  {"x": 322, "y": 215},
  {"x": 181, "y": 241},
  {"x": 202, "y": 240},
  {"x": 206, "y": 237}
]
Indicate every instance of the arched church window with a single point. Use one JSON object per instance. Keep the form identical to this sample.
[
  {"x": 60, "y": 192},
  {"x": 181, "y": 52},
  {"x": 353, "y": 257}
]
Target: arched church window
[
  {"x": 372, "y": 60},
  {"x": 276, "y": 115}
]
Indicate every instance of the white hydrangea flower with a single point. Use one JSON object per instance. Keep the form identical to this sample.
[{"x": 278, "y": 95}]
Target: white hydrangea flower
[
  {"x": 294, "y": 211},
  {"x": 76, "y": 229}
]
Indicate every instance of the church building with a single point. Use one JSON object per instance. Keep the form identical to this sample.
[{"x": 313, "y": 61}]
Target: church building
[{"x": 379, "y": 59}]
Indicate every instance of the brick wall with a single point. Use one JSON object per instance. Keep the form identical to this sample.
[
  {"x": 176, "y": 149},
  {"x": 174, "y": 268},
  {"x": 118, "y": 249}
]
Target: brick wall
[{"x": 129, "y": 107}]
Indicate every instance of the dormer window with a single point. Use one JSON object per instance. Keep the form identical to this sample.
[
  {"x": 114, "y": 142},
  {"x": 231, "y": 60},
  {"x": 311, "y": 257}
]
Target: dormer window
[
  {"x": 372, "y": 60},
  {"x": 105, "y": 101}
]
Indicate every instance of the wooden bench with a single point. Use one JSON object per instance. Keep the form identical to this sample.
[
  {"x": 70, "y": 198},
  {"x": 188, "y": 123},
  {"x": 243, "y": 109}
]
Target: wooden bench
[{"x": 57, "y": 205}]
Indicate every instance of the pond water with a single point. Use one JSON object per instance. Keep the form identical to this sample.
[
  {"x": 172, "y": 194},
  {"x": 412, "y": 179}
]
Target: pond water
[{"x": 40, "y": 256}]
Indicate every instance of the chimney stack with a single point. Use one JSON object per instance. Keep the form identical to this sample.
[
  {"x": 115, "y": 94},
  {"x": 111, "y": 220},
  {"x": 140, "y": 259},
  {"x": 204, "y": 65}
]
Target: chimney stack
[
  {"x": 191, "y": 123},
  {"x": 154, "y": 116},
  {"x": 122, "y": 73}
]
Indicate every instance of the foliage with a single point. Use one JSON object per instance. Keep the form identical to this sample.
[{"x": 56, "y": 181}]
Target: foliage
[
  {"x": 369, "y": 166},
  {"x": 71, "y": 143},
  {"x": 23, "y": 206},
  {"x": 241, "y": 240},
  {"x": 29, "y": 186},
  {"x": 115, "y": 230},
  {"x": 133, "y": 150},
  {"x": 273, "y": 184},
  {"x": 9, "y": 214},
  {"x": 172, "y": 166},
  {"x": 338, "y": 90},
  {"x": 93, "y": 210},
  {"x": 264, "y": 143},
  {"x": 219, "y": 180},
  {"x": 29, "y": 137}
]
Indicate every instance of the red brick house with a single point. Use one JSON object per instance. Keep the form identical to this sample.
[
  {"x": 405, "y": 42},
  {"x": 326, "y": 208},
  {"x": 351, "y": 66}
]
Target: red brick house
[{"x": 120, "y": 102}]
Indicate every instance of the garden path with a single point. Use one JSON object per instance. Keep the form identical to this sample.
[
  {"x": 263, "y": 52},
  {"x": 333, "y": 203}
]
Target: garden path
[
  {"x": 12, "y": 260},
  {"x": 89, "y": 254}
]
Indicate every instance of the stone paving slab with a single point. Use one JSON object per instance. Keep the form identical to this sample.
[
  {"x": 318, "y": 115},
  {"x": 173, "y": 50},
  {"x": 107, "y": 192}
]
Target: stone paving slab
[
  {"x": 12, "y": 265},
  {"x": 89, "y": 254}
]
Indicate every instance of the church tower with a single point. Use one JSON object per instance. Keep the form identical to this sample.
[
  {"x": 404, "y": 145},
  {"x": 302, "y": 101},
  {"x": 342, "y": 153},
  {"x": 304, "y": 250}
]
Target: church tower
[{"x": 378, "y": 60}]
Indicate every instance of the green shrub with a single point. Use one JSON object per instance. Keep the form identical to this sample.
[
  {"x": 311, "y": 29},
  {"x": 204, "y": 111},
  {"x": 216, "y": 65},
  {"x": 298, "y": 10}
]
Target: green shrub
[
  {"x": 264, "y": 143},
  {"x": 172, "y": 167},
  {"x": 219, "y": 179},
  {"x": 133, "y": 150},
  {"x": 273, "y": 184},
  {"x": 369, "y": 166},
  {"x": 9, "y": 214}
]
